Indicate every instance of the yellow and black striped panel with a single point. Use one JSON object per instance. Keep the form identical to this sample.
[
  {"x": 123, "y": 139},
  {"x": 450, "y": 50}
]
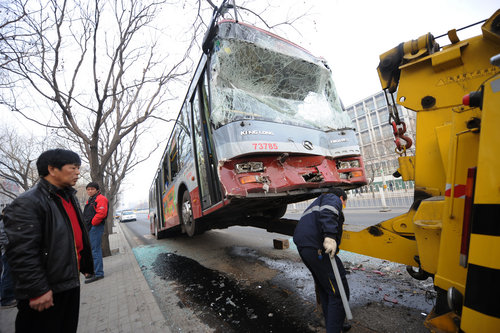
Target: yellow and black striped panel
[
  {"x": 486, "y": 219},
  {"x": 482, "y": 291}
]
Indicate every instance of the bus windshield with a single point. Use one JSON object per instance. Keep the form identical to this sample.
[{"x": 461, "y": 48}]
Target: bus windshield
[{"x": 257, "y": 76}]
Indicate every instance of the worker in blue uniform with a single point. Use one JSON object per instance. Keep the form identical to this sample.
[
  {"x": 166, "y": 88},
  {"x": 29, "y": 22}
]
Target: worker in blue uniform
[{"x": 317, "y": 237}]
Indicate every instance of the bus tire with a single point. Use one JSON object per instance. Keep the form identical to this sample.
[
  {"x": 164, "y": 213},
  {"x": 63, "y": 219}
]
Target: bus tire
[
  {"x": 152, "y": 227},
  {"x": 188, "y": 222},
  {"x": 158, "y": 234},
  {"x": 155, "y": 226},
  {"x": 275, "y": 213}
]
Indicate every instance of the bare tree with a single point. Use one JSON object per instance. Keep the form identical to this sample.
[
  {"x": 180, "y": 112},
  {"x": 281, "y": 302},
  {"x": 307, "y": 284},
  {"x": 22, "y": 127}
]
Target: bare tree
[
  {"x": 103, "y": 69},
  {"x": 18, "y": 156},
  {"x": 11, "y": 12},
  {"x": 103, "y": 72}
]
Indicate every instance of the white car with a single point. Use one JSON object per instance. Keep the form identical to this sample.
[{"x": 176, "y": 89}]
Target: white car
[{"x": 127, "y": 215}]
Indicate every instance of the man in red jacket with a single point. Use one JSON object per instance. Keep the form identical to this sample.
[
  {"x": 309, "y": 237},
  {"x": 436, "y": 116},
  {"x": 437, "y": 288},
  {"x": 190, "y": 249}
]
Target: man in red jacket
[{"x": 94, "y": 216}]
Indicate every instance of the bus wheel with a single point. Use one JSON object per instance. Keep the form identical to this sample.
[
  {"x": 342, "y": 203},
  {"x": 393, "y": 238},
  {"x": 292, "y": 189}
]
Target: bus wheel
[
  {"x": 152, "y": 227},
  {"x": 187, "y": 215},
  {"x": 155, "y": 226},
  {"x": 158, "y": 234},
  {"x": 275, "y": 213}
]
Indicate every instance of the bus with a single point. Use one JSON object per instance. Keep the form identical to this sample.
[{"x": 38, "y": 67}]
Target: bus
[{"x": 261, "y": 126}]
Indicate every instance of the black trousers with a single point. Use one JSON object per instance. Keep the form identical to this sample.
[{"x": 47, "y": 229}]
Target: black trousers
[
  {"x": 327, "y": 287},
  {"x": 60, "y": 318}
]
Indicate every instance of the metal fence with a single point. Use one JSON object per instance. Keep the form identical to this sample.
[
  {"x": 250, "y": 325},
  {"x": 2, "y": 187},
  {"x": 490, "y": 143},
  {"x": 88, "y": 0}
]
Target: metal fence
[
  {"x": 396, "y": 198},
  {"x": 369, "y": 197}
]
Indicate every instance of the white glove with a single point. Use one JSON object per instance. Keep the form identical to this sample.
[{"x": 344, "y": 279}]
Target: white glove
[{"x": 330, "y": 246}]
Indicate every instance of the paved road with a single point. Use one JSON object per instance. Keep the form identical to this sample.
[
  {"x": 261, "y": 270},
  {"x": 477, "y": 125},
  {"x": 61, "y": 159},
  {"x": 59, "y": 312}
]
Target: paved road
[
  {"x": 138, "y": 231},
  {"x": 200, "y": 282},
  {"x": 360, "y": 218}
]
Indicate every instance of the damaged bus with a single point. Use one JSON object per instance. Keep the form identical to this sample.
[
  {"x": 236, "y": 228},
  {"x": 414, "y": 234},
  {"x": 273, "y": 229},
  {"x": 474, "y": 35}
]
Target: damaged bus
[{"x": 261, "y": 126}]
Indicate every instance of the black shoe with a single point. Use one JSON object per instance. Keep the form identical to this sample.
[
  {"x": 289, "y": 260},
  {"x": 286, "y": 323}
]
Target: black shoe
[
  {"x": 93, "y": 278},
  {"x": 10, "y": 304},
  {"x": 346, "y": 327}
]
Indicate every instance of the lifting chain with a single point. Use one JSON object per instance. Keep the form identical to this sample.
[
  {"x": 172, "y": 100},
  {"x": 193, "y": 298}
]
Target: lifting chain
[
  {"x": 399, "y": 133},
  {"x": 398, "y": 127}
]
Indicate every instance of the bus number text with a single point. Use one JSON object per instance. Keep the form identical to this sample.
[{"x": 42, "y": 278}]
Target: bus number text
[{"x": 265, "y": 146}]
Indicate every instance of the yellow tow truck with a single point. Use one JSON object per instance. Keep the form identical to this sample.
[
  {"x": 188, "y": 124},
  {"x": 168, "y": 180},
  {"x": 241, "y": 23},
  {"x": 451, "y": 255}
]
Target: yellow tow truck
[{"x": 452, "y": 231}]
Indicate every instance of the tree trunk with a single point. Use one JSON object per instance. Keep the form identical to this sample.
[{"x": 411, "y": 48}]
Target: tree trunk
[{"x": 108, "y": 229}]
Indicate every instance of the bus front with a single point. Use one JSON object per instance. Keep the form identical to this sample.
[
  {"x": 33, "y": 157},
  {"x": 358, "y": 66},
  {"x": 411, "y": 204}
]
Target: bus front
[{"x": 278, "y": 125}]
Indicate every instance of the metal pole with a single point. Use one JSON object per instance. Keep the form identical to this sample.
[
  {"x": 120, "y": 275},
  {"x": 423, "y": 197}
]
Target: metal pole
[
  {"x": 340, "y": 285},
  {"x": 235, "y": 13}
]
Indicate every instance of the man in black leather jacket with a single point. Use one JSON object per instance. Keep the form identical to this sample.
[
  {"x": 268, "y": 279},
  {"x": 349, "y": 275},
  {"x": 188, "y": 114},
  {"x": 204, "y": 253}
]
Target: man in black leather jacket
[{"x": 48, "y": 247}]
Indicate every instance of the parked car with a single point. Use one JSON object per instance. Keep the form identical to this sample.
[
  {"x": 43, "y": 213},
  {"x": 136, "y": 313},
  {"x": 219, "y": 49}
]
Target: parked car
[{"x": 127, "y": 215}]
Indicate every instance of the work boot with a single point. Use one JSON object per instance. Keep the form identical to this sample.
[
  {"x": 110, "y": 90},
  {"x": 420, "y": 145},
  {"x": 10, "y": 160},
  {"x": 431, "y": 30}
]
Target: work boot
[{"x": 346, "y": 326}]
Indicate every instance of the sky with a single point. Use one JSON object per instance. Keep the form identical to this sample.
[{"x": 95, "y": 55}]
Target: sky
[{"x": 350, "y": 35}]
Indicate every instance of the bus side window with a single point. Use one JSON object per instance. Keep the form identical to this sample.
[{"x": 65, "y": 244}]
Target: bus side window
[
  {"x": 174, "y": 162},
  {"x": 165, "y": 175},
  {"x": 184, "y": 139},
  {"x": 184, "y": 148}
]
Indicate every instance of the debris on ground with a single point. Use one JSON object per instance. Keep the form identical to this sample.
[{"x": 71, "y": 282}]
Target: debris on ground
[{"x": 387, "y": 299}]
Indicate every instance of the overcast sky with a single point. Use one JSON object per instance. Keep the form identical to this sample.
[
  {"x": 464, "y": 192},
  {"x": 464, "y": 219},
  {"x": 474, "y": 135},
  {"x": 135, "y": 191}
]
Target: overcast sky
[{"x": 350, "y": 35}]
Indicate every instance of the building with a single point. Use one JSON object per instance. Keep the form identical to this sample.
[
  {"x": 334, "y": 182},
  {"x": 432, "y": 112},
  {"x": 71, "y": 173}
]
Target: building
[{"x": 370, "y": 117}]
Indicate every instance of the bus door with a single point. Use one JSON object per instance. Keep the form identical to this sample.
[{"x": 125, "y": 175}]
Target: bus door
[
  {"x": 206, "y": 162},
  {"x": 158, "y": 194}
]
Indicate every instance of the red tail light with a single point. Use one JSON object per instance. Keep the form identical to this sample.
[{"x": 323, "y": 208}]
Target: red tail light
[
  {"x": 466, "y": 99},
  {"x": 473, "y": 99}
]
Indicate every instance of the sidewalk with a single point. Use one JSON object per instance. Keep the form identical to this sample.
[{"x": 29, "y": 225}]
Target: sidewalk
[{"x": 121, "y": 302}]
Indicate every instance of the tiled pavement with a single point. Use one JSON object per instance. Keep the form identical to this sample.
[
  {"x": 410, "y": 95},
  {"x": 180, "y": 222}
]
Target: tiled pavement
[{"x": 121, "y": 302}]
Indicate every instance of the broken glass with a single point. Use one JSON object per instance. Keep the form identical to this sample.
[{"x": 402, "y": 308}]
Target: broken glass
[{"x": 259, "y": 76}]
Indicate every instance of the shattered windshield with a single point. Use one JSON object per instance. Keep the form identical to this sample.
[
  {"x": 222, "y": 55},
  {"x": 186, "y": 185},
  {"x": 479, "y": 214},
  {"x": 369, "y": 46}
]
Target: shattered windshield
[{"x": 257, "y": 76}]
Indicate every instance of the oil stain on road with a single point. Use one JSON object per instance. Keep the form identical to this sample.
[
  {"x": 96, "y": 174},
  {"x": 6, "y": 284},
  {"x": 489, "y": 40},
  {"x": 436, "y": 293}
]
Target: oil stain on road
[{"x": 217, "y": 295}]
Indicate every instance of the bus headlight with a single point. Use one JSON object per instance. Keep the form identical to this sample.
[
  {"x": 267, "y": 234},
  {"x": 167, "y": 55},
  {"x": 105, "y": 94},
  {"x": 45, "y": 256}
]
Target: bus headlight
[
  {"x": 345, "y": 175},
  {"x": 350, "y": 174},
  {"x": 249, "y": 167},
  {"x": 347, "y": 164}
]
